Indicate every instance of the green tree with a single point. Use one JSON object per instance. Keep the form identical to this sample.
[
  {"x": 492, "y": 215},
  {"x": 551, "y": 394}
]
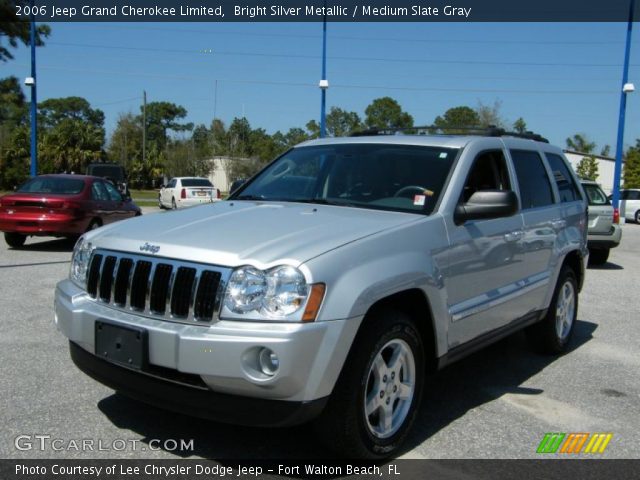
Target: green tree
[
  {"x": 588, "y": 168},
  {"x": 162, "y": 117},
  {"x": 385, "y": 112},
  {"x": 125, "y": 144},
  {"x": 580, "y": 143},
  {"x": 520, "y": 126},
  {"x": 631, "y": 172},
  {"x": 17, "y": 29},
  {"x": 457, "y": 117},
  {"x": 71, "y": 136},
  {"x": 339, "y": 123},
  {"x": 13, "y": 113}
]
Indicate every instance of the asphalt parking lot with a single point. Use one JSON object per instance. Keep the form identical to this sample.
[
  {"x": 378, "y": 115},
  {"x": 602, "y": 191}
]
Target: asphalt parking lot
[{"x": 497, "y": 403}]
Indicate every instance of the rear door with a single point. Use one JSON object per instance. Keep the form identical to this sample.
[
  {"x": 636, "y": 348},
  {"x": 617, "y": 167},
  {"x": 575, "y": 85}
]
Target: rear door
[{"x": 542, "y": 220}]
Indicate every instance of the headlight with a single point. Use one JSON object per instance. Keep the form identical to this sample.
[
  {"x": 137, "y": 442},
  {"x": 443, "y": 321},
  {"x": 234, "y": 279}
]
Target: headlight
[
  {"x": 80, "y": 262},
  {"x": 275, "y": 294}
]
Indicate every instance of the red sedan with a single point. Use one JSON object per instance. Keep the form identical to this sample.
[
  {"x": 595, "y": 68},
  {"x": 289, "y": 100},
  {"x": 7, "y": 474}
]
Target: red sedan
[{"x": 61, "y": 206}]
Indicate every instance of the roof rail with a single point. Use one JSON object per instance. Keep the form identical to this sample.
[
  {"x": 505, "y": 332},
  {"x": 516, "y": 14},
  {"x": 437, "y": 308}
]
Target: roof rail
[{"x": 489, "y": 131}]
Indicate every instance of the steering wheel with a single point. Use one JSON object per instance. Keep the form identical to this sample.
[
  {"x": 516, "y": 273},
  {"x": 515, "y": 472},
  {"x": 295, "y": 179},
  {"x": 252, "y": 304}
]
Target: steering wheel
[{"x": 409, "y": 188}]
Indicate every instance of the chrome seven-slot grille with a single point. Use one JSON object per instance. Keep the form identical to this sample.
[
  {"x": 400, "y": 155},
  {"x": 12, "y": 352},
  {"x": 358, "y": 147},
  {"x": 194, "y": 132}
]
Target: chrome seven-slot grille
[{"x": 157, "y": 287}]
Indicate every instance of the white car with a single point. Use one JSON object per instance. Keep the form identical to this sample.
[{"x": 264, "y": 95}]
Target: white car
[
  {"x": 183, "y": 192},
  {"x": 630, "y": 204}
]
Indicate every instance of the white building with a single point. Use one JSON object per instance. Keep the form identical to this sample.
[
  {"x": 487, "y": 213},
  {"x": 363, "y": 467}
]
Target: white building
[
  {"x": 606, "y": 167},
  {"x": 220, "y": 175}
]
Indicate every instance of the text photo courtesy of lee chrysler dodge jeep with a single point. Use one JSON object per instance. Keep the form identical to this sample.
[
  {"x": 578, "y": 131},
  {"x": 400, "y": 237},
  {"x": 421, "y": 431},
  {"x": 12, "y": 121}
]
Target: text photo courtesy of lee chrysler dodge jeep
[{"x": 329, "y": 284}]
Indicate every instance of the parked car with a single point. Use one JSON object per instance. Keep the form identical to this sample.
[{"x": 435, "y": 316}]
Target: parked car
[
  {"x": 332, "y": 281},
  {"x": 630, "y": 204},
  {"x": 61, "y": 206},
  {"x": 237, "y": 184},
  {"x": 603, "y": 233},
  {"x": 186, "y": 192},
  {"x": 113, "y": 172}
]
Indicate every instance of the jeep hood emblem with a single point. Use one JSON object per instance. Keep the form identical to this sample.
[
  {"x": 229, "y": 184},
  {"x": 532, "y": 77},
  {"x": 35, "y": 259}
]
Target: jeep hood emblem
[{"x": 147, "y": 247}]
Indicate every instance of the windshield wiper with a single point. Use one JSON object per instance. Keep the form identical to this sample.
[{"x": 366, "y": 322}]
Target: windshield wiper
[{"x": 249, "y": 197}]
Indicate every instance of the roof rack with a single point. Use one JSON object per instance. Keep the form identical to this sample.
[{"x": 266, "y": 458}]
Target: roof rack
[{"x": 489, "y": 131}]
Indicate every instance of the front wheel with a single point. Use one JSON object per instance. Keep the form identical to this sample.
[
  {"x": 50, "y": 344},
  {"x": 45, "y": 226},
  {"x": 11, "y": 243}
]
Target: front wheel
[
  {"x": 375, "y": 400},
  {"x": 160, "y": 204},
  {"x": 173, "y": 204},
  {"x": 553, "y": 333},
  {"x": 14, "y": 240},
  {"x": 637, "y": 216}
]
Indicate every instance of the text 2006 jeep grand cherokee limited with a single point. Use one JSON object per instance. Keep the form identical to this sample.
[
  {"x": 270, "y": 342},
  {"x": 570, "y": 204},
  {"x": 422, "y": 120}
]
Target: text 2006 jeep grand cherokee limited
[{"x": 329, "y": 284}]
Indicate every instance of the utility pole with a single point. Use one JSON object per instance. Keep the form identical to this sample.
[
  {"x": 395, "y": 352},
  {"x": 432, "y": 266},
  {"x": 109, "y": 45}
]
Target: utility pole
[
  {"x": 144, "y": 127},
  {"x": 213, "y": 124},
  {"x": 626, "y": 88}
]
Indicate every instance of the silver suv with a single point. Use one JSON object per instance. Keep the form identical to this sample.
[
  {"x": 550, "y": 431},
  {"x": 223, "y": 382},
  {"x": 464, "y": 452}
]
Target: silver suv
[{"x": 329, "y": 284}]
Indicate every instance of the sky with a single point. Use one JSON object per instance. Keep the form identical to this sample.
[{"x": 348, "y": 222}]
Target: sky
[{"x": 562, "y": 78}]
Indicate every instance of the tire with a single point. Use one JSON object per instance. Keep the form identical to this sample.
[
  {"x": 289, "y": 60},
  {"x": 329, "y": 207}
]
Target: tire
[
  {"x": 173, "y": 204},
  {"x": 637, "y": 216},
  {"x": 95, "y": 223},
  {"x": 598, "y": 256},
  {"x": 375, "y": 400},
  {"x": 14, "y": 240},
  {"x": 160, "y": 205},
  {"x": 553, "y": 334}
]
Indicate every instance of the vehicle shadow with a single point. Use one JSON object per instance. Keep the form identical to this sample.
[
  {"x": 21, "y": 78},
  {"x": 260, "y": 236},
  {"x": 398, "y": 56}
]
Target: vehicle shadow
[
  {"x": 465, "y": 385},
  {"x": 606, "y": 266},
  {"x": 53, "y": 245}
]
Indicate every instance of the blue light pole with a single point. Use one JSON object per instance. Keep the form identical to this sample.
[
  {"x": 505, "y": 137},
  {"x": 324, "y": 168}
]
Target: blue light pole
[
  {"x": 31, "y": 81},
  {"x": 626, "y": 88},
  {"x": 324, "y": 83}
]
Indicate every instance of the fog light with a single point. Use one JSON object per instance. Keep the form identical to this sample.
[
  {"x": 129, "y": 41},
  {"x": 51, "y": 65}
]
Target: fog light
[{"x": 269, "y": 362}]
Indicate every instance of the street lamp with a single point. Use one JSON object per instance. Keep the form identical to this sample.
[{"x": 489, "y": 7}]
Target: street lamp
[
  {"x": 626, "y": 88},
  {"x": 31, "y": 82},
  {"x": 324, "y": 83}
]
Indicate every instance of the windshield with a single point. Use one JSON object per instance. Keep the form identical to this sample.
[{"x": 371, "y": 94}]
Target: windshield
[
  {"x": 196, "y": 182},
  {"x": 62, "y": 186},
  {"x": 403, "y": 178},
  {"x": 107, "y": 171}
]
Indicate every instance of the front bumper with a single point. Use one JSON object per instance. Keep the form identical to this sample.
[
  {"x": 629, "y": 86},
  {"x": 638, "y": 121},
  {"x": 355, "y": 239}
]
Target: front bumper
[
  {"x": 222, "y": 354},
  {"x": 610, "y": 239},
  {"x": 193, "y": 401}
]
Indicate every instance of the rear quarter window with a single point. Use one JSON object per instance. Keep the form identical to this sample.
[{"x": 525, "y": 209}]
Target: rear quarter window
[
  {"x": 595, "y": 195},
  {"x": 567, "y": 187}
]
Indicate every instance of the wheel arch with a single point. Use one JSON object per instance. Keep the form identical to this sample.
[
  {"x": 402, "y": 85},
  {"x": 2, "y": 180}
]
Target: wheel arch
[{"x": 414, "y": 303}]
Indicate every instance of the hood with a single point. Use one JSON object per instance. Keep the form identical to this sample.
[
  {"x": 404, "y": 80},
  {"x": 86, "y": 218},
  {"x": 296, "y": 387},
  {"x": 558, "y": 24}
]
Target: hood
[{"x": 234, "y": 233}]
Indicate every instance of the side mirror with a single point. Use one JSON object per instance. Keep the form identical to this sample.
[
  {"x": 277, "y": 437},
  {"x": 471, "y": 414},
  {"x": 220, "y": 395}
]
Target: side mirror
[{"x": 486, "y": 204}]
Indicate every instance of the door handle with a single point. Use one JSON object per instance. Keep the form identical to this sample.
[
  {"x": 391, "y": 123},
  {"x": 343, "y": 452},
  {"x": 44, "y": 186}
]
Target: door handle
[
  {"x": 514, "y": 236},
  {"x": 558, "y": 224}
]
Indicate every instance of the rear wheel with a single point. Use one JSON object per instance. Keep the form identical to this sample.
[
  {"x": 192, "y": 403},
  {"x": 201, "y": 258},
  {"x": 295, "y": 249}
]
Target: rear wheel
[
  {"x": 173, "y": 204},
  {"x": 14, "y": 240},
  {"x": 553, "y": 333},
  {"x": 375, "y": 400},
  {"x": 598, "y": 256}
]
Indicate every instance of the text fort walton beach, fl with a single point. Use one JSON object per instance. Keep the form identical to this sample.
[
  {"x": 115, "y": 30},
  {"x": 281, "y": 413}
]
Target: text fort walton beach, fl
[{"x": 248, "y": 11}]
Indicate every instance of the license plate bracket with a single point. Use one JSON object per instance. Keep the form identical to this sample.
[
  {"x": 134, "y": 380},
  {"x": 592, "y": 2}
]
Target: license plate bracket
[{"x": 123, "y": 345}]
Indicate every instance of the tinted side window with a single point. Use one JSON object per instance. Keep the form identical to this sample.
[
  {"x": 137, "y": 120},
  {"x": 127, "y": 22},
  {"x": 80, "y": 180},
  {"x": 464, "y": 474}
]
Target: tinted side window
[
  {"x": 172, "y": 183},
  {"x": 98, "y": 192},
  {"x": 535, "y": 189},
  {"x": 566, "y": 186},
  {"x": 114, "y": 194}
]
